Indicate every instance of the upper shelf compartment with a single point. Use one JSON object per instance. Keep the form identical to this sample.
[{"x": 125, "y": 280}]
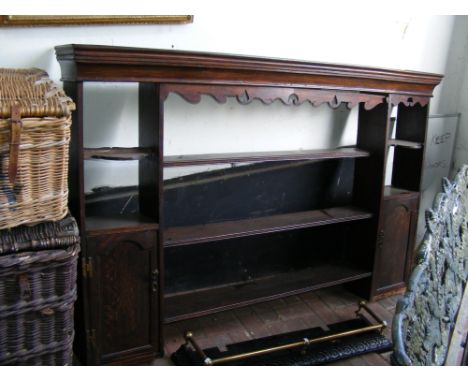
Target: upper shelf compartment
[{"x": 271, "y": 156}]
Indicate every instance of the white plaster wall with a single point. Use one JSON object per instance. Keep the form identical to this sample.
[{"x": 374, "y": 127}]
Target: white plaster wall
[
  {"x": 458, "y": 76},
  {"x": 398, "y": 42},
  {"x": 423, "y": 43},
  {"x": 447, "y": 138}
]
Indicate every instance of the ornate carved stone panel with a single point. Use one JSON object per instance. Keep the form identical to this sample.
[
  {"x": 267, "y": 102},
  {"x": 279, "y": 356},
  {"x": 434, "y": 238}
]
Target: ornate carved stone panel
[{"x": 426, "y": 314}]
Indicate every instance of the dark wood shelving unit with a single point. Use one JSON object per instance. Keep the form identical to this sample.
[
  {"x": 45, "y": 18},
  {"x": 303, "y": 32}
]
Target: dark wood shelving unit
[
  {"x": 198, "y": 303},
  {"x": 275, "y": 156},
  {"x": 179, "y": 236},
  {"x": 336, "y": 225}
]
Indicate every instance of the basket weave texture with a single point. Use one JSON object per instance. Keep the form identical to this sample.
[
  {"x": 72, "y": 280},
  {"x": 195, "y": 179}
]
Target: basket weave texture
[
  {"x": 37, "y": 294},
  {"x": 40, "y": 190}
]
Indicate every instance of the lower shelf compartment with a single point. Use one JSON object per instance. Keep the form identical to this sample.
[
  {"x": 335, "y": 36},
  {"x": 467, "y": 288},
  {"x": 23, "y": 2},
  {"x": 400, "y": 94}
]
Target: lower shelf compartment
[{"x": 182, "y": 306}]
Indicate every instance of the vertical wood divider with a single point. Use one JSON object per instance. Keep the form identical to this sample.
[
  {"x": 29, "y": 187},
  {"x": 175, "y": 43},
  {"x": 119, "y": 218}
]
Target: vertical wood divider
[
  {"x": 151, "y": 119},
  {"x": 373, "y": 127}
]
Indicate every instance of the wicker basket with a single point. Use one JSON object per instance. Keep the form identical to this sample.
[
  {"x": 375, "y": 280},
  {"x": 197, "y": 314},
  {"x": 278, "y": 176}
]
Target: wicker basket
[
  {"x": 35, "y": 125},
  {"x": 37, "y": 293}
]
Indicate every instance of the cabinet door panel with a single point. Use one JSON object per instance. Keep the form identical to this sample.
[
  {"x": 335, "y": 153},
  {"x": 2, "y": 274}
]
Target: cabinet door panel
[
  {"x": 394, "y": 253},
  {"x": 123, "y": 294}
]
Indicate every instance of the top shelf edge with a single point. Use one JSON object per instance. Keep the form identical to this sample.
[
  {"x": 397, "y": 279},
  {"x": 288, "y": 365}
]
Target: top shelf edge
[
  {"x": 406, "y": 144},
  {"x": 170, "y": 59},
  {"x": 134, "y": 153},
  {"x": 81, "y": 63},
  {"x": 276, "y": 156},
  {"x": 117, "y": 153}
]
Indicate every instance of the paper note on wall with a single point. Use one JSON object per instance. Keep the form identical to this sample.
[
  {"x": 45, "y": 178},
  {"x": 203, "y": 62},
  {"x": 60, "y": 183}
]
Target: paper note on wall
[{"x": 440, "y": 141}]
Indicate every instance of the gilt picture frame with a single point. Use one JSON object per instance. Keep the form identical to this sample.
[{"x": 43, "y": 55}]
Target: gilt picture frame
[{"x": 70, "y": 20}]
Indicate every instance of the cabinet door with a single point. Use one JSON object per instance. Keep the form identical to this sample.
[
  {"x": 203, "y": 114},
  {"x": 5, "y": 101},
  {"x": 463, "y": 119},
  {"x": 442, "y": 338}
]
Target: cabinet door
[
  {"x": 395, "y": 244},
  {"x": 123, "y": 297}
]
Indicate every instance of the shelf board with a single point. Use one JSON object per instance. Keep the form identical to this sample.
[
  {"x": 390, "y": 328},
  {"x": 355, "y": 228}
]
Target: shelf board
[
  {"x": 390, "y": 191},
  {"x": 198, "y": 303},
  {"x": 186, "y": 235},
  {"x": 117, "y": 153},
  {"x": 271, "y": 156},
  {"x": 403, "y": 143},
  {"x": 97, "y": 225}
]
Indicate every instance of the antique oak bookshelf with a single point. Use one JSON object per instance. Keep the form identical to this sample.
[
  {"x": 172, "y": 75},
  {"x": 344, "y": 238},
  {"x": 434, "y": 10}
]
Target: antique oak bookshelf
[{"x": 170, "y": 259}]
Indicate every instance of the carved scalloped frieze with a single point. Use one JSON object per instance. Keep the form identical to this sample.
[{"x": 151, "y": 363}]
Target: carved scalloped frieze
[
  {"x": 267, "y": 95},
  {"x": 396, "y": 99}
]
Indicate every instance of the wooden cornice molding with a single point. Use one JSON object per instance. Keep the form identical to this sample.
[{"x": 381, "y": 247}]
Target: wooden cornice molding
[{"x": 92, "y": 62}]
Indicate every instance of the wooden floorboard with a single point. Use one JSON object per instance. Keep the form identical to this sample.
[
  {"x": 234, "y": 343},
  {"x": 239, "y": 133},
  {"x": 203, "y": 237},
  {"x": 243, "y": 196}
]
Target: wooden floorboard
[{"x": 308, "y": 310}]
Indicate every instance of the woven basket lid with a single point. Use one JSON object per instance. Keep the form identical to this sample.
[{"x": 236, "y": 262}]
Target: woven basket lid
[{"x": 34, "y": 91}]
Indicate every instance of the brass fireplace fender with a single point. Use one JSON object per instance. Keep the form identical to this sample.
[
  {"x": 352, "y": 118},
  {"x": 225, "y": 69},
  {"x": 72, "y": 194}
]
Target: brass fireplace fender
[{"x": 380, "y": 325}]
